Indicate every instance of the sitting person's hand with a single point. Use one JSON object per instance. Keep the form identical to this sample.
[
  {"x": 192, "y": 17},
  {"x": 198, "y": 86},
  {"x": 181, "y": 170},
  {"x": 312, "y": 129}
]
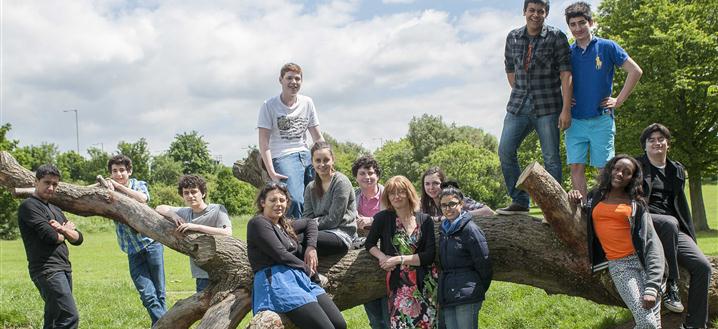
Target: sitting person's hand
[
  {"x": 575, "y": 197},
  {"x": 310, "y": 258}
]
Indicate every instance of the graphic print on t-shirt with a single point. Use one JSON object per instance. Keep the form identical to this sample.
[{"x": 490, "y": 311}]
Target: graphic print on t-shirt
[{"x": 292, "y": 127}]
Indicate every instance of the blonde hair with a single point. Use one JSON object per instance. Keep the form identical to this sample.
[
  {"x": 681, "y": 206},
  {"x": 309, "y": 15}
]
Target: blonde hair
[{"x": 400, "y": 183}]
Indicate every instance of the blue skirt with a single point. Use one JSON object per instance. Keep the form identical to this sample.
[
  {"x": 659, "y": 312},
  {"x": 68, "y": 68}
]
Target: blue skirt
[{"x": 280, "y": 288}]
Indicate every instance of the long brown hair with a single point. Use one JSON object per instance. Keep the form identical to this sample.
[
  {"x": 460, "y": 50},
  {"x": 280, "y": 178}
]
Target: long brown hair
[
  {"x": 318, "y": 191},
  {"x": 262, "y": 196},
  {"x": 428, "y": 206}
]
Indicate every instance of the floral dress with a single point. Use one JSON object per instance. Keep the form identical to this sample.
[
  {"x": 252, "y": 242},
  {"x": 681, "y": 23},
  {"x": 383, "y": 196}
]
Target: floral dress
[{"x": 412, "y": 304}]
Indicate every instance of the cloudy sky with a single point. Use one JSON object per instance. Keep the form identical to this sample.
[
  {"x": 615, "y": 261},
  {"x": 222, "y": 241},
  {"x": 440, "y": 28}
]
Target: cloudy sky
[{"x": 155, "y": 69}]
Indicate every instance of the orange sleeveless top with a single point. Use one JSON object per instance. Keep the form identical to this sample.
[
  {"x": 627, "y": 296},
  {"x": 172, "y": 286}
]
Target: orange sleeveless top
[{"x": 610, "y": 222}]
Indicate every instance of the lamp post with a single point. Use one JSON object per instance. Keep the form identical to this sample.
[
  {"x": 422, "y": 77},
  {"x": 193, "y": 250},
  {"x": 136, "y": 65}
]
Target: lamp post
[{"x": 77, "y": 129}]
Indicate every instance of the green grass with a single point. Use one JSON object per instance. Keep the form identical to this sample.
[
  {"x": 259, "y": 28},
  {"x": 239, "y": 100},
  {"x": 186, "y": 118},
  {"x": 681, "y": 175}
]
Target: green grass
[
  {"x": 107, "y": 298},
  {"x": 708, "y": 241}
]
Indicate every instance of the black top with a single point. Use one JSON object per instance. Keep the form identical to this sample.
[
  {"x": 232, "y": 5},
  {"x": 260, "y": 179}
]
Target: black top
[
  {"x": 384, "y": 227},
  {"x": 661, "y": 199},
  {"x": 44, "y": 253},
  {"x": 269, "y": 244},
  {"x": 676, "y": 179}
]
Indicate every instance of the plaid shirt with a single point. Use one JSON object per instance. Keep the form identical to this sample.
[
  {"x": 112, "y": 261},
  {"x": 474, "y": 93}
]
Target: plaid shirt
[
  {"x": 129, "y": 240},
  {"x": 542, "y": 82}
]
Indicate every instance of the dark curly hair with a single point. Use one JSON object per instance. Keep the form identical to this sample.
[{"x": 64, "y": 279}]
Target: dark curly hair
[
  {"x": 120, "y": 160},
  {"x": 579, "y": 9},
  {"x": 192, "y": 181},
  {"x": 634, "y": 187},
  {"x": 366, "y": 162},
  {"x": 262, "y": 196}
]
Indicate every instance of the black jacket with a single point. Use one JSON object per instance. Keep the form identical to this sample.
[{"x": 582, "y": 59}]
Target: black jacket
[
  {"x": 676, "y": 176},
  {"x": 645, "y": 241},
  {"x": 465, "y": 264},
  {"x": 383, "y": 229}
]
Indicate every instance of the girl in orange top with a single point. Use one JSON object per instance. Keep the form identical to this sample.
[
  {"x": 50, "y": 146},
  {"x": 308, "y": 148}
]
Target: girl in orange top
[{"x": 621, "y": 237}]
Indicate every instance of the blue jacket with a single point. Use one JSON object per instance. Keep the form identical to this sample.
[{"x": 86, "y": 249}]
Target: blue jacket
[{"x": 466, "y": 267}]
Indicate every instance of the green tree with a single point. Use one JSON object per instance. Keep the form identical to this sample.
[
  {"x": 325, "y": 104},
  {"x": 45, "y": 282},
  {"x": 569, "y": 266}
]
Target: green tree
[
  {"x": 139, "y": 153},
  {"x": 8, "y": 204},
  {"x": 34, "y": 156},
  {"x": 476, "y": 169},
  {"x": 96, "y": 164},
  {"x": 345, "y": 154},
  {"x": 191, "y": 150},
  {"x": 8, "y": 145},
  {"x": 397, "y": 158},
  {"x": 72, "y": 166},
  {"x": 165, "y": 170},
  {"x": 428, "y": 132},
  {"x": 676, "y": 44},
  {"x": 236, "y": 196}
]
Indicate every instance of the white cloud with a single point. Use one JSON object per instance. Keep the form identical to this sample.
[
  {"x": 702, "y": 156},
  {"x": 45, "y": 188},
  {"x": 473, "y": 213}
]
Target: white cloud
[
  {"x": 397, "y": 1},
  {"x": 169, "y": 67}
]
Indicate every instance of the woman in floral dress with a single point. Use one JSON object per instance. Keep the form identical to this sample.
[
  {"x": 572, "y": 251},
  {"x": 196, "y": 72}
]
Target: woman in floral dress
[{"x": 406, "y": 254}]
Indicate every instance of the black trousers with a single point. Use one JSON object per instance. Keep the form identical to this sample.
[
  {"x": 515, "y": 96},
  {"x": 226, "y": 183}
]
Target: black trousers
[
  {"x": 56, "y": 290},
  {"x": 323, "y": 314},
  {"x": 681, "y": 250}
]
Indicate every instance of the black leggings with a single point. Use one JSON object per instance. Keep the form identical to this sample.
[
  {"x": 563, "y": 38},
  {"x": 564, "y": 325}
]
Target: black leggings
[
  {"x": 329, "y": 244},
  {"x": 322, "y": 314}
]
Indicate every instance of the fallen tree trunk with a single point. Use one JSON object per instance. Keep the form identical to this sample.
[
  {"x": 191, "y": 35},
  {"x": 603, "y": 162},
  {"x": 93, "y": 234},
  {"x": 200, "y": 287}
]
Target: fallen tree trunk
[{"x": 523, "y": 250}]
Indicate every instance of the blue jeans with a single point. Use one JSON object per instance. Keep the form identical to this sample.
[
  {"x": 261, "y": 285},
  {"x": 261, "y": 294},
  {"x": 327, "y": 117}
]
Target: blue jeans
[
  {"x": 516, "y": 128},
  {"x": 201, "y": 283},
  {"x": 295, "y": 167},
  {"x": 378, "y": 313},
  {"x": 56, "y": 290},
  {"x": 147, "y": 269},
  {"x": 464, "y": 316}
]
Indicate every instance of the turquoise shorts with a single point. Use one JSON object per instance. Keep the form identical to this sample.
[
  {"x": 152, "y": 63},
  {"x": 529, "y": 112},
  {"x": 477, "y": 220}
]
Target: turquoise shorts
[{"x": 596, "y": 135}]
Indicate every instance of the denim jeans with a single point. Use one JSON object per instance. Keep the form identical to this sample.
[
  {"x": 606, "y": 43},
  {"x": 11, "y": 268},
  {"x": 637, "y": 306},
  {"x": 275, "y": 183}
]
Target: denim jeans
[
  {"x": 294, "y": 166},
  {"x": 378, "y": 313},
  {"x": 56, "y": 290},
  {"x": 464, "y": 316},
  {"x": 147, "y": 269},
  {"x": 516, "y": 128},
  {"x": 201, "y": 283}
]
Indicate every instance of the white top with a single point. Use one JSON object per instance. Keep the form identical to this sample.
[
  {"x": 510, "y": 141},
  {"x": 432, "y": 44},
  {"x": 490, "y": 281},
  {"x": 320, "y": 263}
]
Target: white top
[{"x": 288, "y": 125}]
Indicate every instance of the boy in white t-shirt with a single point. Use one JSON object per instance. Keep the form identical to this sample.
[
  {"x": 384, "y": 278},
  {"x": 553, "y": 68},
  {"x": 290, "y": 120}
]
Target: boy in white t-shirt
[
  {"x": 282, "y": 125},
  {"x": 197, "y": 217}
]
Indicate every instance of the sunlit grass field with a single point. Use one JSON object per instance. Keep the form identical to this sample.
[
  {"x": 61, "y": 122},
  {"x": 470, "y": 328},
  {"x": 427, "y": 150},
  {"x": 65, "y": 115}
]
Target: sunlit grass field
[{"x": 107, "y": 298}]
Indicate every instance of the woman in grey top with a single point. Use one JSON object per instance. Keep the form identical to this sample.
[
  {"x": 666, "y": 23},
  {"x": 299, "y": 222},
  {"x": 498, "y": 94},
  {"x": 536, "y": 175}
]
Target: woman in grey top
[{"x": 330, "y": 199}]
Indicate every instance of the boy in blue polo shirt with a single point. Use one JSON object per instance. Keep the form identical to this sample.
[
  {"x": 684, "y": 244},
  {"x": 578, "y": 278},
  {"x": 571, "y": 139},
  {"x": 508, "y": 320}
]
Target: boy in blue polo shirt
[{"x": 593, "y": 61}]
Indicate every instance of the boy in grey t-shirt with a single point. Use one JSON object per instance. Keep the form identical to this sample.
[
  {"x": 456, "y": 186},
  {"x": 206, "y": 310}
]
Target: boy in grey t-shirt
[
  {"x": 282, "y": 126},
  {"x": 197, "y": 217}
]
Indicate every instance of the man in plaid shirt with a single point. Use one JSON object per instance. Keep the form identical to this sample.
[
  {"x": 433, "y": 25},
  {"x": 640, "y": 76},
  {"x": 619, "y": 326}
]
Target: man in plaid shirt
[
  {"x": 145, "y": 256},
  {"x": 538, "y": 68}
]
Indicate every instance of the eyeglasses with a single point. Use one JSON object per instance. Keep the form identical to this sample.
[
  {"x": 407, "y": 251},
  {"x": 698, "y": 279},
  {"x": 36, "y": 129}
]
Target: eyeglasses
[
  {"x": 449, "y": 205},
  {"x": 397, "y": 193}
]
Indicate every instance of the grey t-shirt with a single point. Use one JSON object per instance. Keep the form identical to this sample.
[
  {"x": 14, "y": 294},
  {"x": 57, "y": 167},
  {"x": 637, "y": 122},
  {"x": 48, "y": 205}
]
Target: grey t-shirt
[{"x": 214, "y": 215}]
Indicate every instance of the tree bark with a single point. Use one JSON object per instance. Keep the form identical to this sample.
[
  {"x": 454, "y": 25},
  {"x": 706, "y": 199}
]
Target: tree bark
[
  {"x": 698, "y": 209},
  {"x": 523, "y": 251}
]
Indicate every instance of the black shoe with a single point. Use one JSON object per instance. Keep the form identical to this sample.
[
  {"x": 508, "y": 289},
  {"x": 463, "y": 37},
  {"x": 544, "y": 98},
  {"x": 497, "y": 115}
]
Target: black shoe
[
  {"x": 513, "y": 209},
  {"x": 672, "y": 299}
]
